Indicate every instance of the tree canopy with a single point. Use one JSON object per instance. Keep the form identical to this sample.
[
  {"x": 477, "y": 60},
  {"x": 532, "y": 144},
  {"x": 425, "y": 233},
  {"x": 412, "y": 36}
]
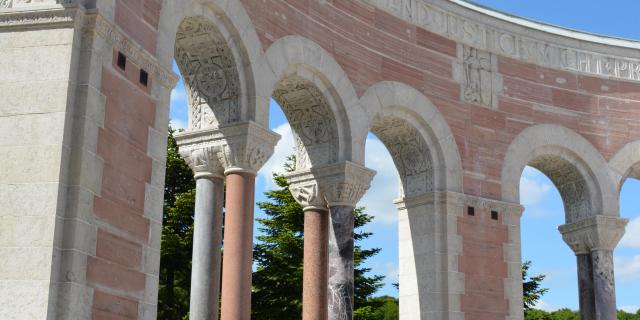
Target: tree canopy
[{"x": 278, "y": 256}]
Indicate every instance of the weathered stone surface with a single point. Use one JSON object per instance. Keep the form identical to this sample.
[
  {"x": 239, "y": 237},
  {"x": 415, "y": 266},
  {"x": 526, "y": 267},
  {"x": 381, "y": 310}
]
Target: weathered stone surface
[{"x": 463, "y": 98}]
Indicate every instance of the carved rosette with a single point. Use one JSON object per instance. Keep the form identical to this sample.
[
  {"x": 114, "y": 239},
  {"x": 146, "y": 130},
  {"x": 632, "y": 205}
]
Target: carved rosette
[
  {"x": 594, "y": 233},
  {"x": 242, "y": 147}
]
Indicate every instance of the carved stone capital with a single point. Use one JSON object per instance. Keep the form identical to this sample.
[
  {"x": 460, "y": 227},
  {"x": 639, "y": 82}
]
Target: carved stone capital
[
  {"x": 304, "y": 188},
  {"x": 241, "y": 147},
  {"x": 341, "y": 184},
  {"x": 344, "y": 184},
  {"x": 204, "y": 162},
  {"x": 594, "y": 233}
]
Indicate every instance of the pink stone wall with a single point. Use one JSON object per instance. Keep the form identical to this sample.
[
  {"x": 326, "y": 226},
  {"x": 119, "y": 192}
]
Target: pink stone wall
[
  {"x": 371, "y": 46},
  {"x": 117, "y": 271}
]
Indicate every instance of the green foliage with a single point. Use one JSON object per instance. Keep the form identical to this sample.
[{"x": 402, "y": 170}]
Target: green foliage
[
  {"x": 623, "y": 315},
  {"x": 568, "y": 314},
  {"x": 177, "y": 236},
  {"x": 532, "y": 290},
  {"x": 278, "y": 256},
  {"x": 378, "y": 308}
]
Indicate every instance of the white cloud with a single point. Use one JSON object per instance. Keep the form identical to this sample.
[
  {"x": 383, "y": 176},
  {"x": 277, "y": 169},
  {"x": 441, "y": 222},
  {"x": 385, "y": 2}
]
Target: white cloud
[
  {"x": 545, "y": 306},
  {"x": 283, "y": 149},
  {"x": 178, "y": 124},
  {"x": 627, "y": 268},
  {"x": 391, "y": 273},
  {"x": 631, "y": 237},
  {"x": 385, "y": 185},
  {"x": 532, "y": 190},
  {"x": 630, "y": 309},
  {"x": 178, "y": 94}
]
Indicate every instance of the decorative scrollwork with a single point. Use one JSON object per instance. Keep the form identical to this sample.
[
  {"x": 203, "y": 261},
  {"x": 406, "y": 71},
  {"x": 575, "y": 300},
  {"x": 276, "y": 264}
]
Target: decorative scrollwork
[
  {"x": 313, "y": 124},
  {"x": 410, "y": 153},
  {"x": 210, "y": 74}
]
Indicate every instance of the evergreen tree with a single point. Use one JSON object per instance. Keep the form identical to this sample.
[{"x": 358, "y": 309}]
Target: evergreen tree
[
  {"x": 532, "y": 287},
  {"x": 278, "y": 256},
  {"x": 177, "y": 236}
]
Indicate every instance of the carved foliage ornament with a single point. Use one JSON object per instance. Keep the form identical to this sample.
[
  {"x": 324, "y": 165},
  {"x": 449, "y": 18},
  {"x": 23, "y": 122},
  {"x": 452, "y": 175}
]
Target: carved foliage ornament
[
  {"x": 334, "y": 185},
  {"x": 410, "y": 154},
  {"x": 204, "y": 161},
  {"x": 243, "y": 146},
  {"x": 571, "y": 184},
  {"x": 597, "y": 232},
  {"x": 312, "y": 122},
  {"x": 210, "y": 74}
]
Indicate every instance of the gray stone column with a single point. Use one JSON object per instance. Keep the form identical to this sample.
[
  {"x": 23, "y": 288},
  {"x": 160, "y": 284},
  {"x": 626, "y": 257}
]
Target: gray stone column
[
  {"x": 207, "y": 234},
  {"x": 237, "y": 152},
  {"x": 207, "y": 241},
  {"x": 604, "y": 287},
  {"x": 585, "y": 286},
  {"x": 593, "y": 240},
  {"x": 341, "y": 288},
  {"x": 342, "y": 185},
  {"x": 338, "y": 187}
]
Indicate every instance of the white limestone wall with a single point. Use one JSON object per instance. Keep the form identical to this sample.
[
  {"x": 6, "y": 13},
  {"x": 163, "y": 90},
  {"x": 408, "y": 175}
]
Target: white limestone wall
[
  {"x": 35, "y": 69},
  {"x": 430, "y": 283}
]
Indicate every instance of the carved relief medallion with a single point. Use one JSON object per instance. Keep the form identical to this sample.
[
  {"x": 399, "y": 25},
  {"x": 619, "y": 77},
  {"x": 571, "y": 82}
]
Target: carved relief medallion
[{"x": 210, "y": 74}]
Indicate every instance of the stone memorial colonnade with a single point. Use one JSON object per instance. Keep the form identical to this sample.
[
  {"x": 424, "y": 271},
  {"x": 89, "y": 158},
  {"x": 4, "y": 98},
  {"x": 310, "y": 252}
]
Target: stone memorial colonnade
[{"x": 463, "y": 97}]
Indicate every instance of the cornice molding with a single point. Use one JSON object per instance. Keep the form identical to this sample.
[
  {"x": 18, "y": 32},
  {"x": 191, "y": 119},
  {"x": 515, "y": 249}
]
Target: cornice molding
[{"x": 544, "y": 45}]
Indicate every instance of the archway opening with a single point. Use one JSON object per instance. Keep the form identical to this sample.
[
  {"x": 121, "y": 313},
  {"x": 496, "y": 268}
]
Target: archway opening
[
  {"x": 627, "y": 253},
  {"x": 542, "y": 244}
]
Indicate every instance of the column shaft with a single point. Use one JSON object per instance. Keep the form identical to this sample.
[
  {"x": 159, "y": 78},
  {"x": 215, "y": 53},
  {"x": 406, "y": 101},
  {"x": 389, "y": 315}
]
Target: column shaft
[
  {"x": 341, "y": 263},
  {"x": 314, "y": 290},
  {"x": 585, "y": 287},
  {"x": 207, "y": 240},
  {"x": 238, "y": 247},
  {"x": 603, "y": 284}
]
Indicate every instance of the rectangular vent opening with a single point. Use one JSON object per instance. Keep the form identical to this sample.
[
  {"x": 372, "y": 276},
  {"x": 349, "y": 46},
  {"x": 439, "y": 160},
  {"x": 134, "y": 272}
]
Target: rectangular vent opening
[
  {"x": 494, "y": 215},
  {"x": 471, "y": 211},
  {"x": 144, "y": 78},
  {"x": 122, "y": 61}
]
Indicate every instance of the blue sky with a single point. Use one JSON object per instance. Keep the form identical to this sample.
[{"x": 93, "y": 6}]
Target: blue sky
[{"x": 541, "y": 242}]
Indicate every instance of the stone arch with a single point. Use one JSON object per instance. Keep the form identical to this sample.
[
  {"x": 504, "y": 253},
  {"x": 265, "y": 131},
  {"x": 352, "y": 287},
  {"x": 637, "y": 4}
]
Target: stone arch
[
  {"x": 576, "y": 168},
  {"x": 417, "y": 136},
  {"x": 626, "y": 163},
  {"x": 317, "y": 98},
  {"x": 219, "y": 49}
]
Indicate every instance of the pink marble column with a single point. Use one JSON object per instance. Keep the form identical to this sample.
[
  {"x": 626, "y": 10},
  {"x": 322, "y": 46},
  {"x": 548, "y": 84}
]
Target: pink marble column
[
  {"x": 314, "y": 290},
  {"x": 238, "y": 247}
]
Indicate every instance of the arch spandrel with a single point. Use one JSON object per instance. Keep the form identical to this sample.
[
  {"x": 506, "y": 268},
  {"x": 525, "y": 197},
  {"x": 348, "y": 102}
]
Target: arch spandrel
[
  {"x": 626, "y": 163},
  {"x": 576, "y": 168},
  {"x": 397, "y": 114},
  {"x": 229, "y": 28},
  {"x": 294, "y": 63},
  {"x": 210, "y": 74}
]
